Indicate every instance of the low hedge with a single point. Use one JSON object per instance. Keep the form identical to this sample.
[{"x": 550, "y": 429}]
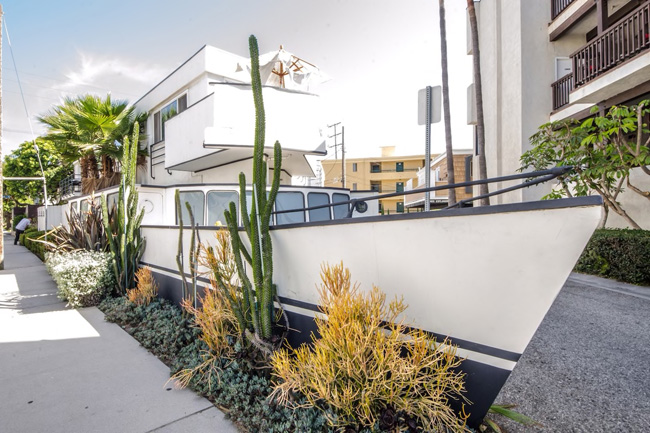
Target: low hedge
[
  {"x": 27, "y": 239},
  {"x": 620, "y": 254}
]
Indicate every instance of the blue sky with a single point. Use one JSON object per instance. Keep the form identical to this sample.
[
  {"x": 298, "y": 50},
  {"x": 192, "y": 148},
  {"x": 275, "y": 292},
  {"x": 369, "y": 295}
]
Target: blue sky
[{"x": 378, "y": 53}]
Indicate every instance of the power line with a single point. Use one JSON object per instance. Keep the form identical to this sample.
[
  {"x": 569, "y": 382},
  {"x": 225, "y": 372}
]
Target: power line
[{"x": 29, "y": 121}]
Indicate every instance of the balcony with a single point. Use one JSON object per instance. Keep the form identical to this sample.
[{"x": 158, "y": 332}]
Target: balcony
[
  {"x": 558, "y": 6},
  {"x": 615, "y": 61},
  {"x": 70, "y": 186},
  {"x": 219, "y": 130}
]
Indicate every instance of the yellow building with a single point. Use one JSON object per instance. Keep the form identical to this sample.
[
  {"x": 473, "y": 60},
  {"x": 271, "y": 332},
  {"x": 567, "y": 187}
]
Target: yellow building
[{"x": 386, "y": 174}]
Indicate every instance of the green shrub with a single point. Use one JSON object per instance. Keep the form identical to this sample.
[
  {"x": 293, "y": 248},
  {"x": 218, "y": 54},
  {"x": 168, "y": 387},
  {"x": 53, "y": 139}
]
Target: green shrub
[
  {"x": 27, "y": 239},
  {"x": 83, "y": 277},
  {"x": 620, "y": 254}
]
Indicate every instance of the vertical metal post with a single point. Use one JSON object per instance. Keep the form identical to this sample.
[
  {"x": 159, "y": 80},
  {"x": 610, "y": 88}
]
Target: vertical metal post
[
  {"x": 2, "y": 221},
  {"x": 427, "y": 153},
  {"x": 343, "y": 154}
]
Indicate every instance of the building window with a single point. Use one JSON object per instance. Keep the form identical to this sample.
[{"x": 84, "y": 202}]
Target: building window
[
  {"x": 354, "y": 167},
  {"x": 354, "y": 187},
  {"x": 197, "y": 203},
  {"x": 399, "y": 187},
  {"x": 399, "y": 166},
  {"x": 400, "y": 207},
  {"x": 218, "y": 203},
  {"x": 340, "y": 211},
  {"x": 318, "y": 199},
  {"x": 288, "y": 201},
  {"x": 375, "y": 186},
  {"x": 381, "y": 208},
  {"x": 375, "y": 167},
  {"x": 111, "y": 201},
  {"x": 167, "y": 112}
]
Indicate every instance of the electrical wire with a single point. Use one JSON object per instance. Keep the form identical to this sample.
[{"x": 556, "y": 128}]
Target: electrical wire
[{"x": 29, "y": 121}]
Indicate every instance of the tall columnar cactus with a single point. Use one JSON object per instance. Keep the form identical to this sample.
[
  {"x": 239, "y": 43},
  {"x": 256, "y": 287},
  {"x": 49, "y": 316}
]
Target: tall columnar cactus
[
  {"x": 195, "y": 247},
  {"x": 123, "y": 230},
  {"x": 258, "y": 294}
]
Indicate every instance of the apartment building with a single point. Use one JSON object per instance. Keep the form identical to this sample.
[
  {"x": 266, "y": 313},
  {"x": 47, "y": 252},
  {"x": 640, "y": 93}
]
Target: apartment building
[
  {"x": 385, "y": 174},
  {"x": 439, "y": 177},
  {"x": 547, "y": 60}
]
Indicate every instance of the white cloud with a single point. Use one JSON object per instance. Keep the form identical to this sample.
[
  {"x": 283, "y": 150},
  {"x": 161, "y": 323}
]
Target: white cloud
[{"x": 101, "y": 71}]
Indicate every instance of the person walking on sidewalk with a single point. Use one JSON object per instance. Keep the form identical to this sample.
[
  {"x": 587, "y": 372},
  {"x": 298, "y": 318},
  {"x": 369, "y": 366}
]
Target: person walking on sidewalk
[{"x": 20, "y": 228}]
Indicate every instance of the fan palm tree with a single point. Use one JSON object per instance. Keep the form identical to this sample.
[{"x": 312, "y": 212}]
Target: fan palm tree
[{"x": 88, "y": 127}]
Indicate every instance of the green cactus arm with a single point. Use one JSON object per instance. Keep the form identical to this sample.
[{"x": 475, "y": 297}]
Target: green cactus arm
[
  {"x": 179, "y": 253},
  {"x": 243, "y": 206},
  {"x": 275, "y": 184},
  {"x": 193, "y": 257},
  {"x": 109, "y": 233},
  {"x": 249, "y": 296},
  {"x": 260, "y": 123}
]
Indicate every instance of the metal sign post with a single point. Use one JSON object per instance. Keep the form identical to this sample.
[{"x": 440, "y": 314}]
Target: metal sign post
[{"x": 428, "y": 113}]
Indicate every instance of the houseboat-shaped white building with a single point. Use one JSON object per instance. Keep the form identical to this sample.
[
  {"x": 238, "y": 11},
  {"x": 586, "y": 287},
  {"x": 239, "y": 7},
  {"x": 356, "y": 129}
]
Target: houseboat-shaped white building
[{"x": 507, "y": 262}]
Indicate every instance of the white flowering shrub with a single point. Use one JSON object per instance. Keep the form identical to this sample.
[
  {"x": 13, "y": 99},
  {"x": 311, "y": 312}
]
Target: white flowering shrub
[{"x": 83, "y": 278}]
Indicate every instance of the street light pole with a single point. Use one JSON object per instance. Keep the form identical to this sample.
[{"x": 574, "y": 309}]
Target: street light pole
[{"x": 2, "y": 217}]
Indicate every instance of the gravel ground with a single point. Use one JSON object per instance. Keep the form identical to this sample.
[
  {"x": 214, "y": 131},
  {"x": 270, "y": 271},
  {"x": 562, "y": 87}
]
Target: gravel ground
[{"x": 587, "y": 368}]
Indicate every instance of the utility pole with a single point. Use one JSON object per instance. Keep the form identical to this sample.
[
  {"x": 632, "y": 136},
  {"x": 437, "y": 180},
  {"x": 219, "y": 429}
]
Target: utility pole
[
  {"x": 336, "y": 145},
  {"x": 2, "y": 217}
]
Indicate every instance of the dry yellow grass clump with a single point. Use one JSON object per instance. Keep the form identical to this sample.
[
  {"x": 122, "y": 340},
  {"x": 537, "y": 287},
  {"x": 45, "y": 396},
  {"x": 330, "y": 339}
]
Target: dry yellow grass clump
[
  {"x": 368, "y": 362},
  {"x": 146, "y": 290},
  {"x": 215, "y": 317}
]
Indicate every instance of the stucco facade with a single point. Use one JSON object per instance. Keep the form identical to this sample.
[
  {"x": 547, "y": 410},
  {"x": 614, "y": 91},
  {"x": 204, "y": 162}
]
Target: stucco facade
[{"x": 531, "y": 66}]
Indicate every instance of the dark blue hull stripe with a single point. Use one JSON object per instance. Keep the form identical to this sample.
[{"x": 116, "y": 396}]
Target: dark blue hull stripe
[
  {"x": 482, "y": 381},
  {"x": 463, "y": 344}
]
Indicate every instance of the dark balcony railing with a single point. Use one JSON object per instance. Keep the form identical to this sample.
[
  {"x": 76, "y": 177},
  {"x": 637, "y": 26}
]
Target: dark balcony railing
[
  {"x": 557, "y": 6},
  {"x": 561, "y": 89},
  {"x": 619, "y": 43},
  {"x": 70, "y": 186}
]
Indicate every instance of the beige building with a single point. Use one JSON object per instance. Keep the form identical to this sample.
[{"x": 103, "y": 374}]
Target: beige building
[
  {"x": 385, "y": 174},
  {"x": 439, "y": 177},
  {"x": 393, "y": 174},
  {"x": 546, "y": 60}
]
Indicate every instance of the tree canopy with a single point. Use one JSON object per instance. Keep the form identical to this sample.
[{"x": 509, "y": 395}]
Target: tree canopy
[
  {"x": 602, "y": 149},
  {"x": 23, "y": 162}
]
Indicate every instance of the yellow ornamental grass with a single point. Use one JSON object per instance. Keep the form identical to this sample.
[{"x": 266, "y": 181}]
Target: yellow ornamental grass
[
  {"x": 146, "y": 290},
  {"x": 215, "y": 316},
  {"x": 368, "y": 360}
]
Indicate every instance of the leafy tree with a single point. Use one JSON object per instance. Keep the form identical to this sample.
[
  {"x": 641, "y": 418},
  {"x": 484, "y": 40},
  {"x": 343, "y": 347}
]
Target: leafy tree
[
  {"x": 23, "y": 162},
  {"x": 602, "y": 149},
  {"x": 90, "y": 129}
]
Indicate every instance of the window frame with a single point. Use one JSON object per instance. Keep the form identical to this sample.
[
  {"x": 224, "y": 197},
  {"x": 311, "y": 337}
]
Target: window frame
[
  {"x": 299, "y": 210},
  {"x": 327, "y": 209},
  {"x": 184, "y": 208},
  {"x": 208, "y": 218},
  {"x": 159, "y": 122}
]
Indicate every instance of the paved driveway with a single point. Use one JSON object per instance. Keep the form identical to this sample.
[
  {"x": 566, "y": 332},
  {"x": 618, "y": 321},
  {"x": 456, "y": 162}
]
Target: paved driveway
[{"x": 588, "y": 367}]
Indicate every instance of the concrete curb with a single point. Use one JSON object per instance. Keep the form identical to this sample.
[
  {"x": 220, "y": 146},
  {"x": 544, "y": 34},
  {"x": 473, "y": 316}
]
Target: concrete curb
[{"x": 642, "y": 292}]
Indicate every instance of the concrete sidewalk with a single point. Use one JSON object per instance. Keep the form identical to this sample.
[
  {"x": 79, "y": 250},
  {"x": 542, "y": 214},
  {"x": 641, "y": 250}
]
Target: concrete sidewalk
[{"x": 64, "y": 370}]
